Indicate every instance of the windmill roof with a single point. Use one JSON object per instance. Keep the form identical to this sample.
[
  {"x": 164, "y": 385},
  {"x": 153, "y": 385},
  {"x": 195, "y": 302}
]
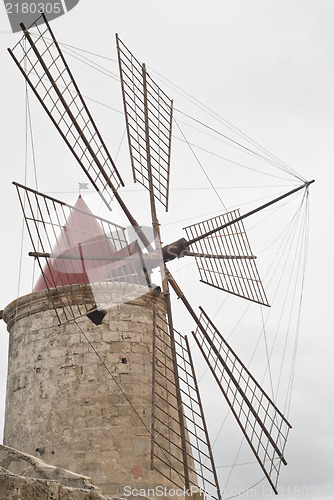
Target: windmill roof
[{"x": 80, "y": 239}]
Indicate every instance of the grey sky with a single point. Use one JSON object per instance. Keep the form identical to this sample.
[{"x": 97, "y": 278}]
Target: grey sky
[{"x": 267, "y": 67}]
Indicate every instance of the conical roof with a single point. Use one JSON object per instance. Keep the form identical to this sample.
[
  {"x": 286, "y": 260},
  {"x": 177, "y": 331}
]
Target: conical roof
[{"x": 77, "y": 255}]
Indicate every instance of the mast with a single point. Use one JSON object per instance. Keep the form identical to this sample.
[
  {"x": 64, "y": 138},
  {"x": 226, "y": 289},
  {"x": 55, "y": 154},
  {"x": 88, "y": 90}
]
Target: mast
[{"x": 180, "y": 247}]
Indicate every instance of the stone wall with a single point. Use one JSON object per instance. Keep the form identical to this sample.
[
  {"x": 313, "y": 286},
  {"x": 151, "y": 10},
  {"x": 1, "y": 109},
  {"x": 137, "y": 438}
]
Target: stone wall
[
  {"x": 24, "y": 477},
  {"x": 64, "y": 406}
]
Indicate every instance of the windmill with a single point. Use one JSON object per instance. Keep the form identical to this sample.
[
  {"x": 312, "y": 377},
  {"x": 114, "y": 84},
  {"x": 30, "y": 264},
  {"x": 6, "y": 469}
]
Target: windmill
[{"x": 103, "y": 268}]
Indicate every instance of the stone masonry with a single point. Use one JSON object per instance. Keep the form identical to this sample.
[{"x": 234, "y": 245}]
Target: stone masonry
[
  {"x": 24, "y": 477},
  {"x": 65, "y": 407}
]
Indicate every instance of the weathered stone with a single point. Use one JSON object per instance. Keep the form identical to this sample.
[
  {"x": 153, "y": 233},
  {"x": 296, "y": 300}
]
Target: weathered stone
[
  {"x": 15, "y": 463},
  {"x": 13, "y": 487},
  {"x": 85, "y": 412}
]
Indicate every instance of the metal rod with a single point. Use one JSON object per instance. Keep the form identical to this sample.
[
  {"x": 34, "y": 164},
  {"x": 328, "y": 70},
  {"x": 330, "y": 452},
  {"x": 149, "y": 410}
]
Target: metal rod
[
  {"x": 198, "y": 238},
  {"x": 82, "y": 257},
  {"x": 155, "y": 258},
  {"x": 212, "y": 256},
  {"x": 256, "y": 301}
]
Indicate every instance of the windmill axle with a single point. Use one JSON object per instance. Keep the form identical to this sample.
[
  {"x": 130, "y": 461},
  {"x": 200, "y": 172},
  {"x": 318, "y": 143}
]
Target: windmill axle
[{"x": 175, "y": 250}]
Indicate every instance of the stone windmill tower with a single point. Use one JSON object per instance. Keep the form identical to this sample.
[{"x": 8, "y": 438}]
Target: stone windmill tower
[
  {"x": 78, "y": 394},
  {"x": 99, "y": 380}
]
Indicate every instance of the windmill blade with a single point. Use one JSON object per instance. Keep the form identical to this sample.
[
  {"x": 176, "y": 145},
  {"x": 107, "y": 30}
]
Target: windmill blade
[
  {"x": 263, "y": 425},
  {"x": 38, "y": 56},
  {"x": 176, "y": 440},
  {"x": 148, "y": 113},
  {"x": 224, "y": 257},
  {"x": 86, "y": 262}
]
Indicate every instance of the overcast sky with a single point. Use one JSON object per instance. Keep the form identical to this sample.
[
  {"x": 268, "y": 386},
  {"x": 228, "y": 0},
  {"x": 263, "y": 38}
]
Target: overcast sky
[{"x": 267, "y": 67}]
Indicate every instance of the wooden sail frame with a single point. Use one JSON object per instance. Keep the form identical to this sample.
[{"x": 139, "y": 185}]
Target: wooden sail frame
[
  {"x": 148, "y": 115},
  {"x": 237, "y": 272},
  {"x": 39, "y": 58},
  {"x": 166, "y": 435},
  {"x": 263, "y": 425}
]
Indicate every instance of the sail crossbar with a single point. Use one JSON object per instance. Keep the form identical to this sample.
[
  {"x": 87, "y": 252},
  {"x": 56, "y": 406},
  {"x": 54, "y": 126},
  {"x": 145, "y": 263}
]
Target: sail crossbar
[
  {"x": 42, "y": 63},
  {"x": 263, "y": 425},
  {"x": 224, "y": 258},
  {"x": 148, "y": 114},
  {"x": 167, "y": 436}
]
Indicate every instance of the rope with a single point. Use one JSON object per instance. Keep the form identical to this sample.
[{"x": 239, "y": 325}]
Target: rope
[
  {"x": 201, "y": 166},
  {"x": 229, "y": 160},
  {"x": 80, "y": 49},
  {"x": 82, "y": 58},
  {"x": 233, "y": 142},
  {"x": 245, "y": 491},
  {"x": 305, "y": 246},
  {"x": 283, "y": 247},
  {"x": 23, "y": 232},
  {"x": 228, "y": 125},
  {"x": 95, "y": 66},
  {"x": 25, "y": 181},
  {"x": 270, "y": 158},
  {"x": 267, "y": 353},
  {"x": 286, "y": 297},
  {"x": 29, "y": 123},
  {"x": 291, "y": 226},
  {"x": 284, "y": 304}
]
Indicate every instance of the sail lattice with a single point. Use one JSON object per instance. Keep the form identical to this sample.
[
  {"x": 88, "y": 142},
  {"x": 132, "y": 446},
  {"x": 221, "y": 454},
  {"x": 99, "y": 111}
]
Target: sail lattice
[
  {"x": 225, "y": 258},
  {"x": 86, "y": 262},
  {"x": 42, "y": 63},
  {"x": 193, "y": 450},
  {"x": 148, "y": 113},
  {"x": 263, "y": 425}
]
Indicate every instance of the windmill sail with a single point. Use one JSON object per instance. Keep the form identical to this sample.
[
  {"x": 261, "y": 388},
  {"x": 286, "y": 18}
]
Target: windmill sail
[
  {"x": 168, "y": 431},
  {"x": 148, "y": 112},
  {"x": 236, "y": 272},
  {"x": 38, "y": 56},
  {"x": 263, "y": 425},
  {"x": 86, "y": 262}
]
